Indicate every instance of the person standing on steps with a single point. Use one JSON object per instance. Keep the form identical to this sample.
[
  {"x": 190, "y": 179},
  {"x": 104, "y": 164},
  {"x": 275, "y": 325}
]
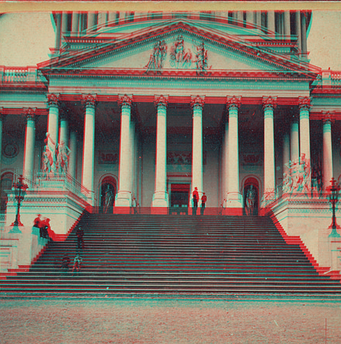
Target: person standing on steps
[
  {"x": 195, "y": 201},
  {"x": 77, "y": 263},
  {"x": 203, "y": 203},
  {"x": 80, "y": 235},
  {"x": 65, "y": 263}
]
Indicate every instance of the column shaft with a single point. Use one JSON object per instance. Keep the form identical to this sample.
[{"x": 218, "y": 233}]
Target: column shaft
[
  {"x": 29, "y": 148},
  {"x": 269, "y": 152},
  {"x": 73, "y": 154},
  {"x": 1, "y": 125},
  {"x": 64, "y": 22},
  {"x": 287, "y": 24},
  {"x": 52, "y": 125},
  {"x": 197, "y": 147},
  {"x": 102, "y": 18},
  {"x": 234, "y": 198},
  {"x": 132, "y": 156},
  {"x": 298, "y": 30},
  {"x": 271, "y": 22},
  {"x": 64, "y": 131},
  {"x": 123, "y": 197},
  {"x": 249, "y": 18},
  {"x": 91, "y": 21},
  {"x": 58, "y": 29},
  {"x": 304, "y": 132},
  {"x": 304, "y": 34},
  {"x": 75, "y": 23},
  {"x": 286, "y": 152},
  {"x": 160, "y": 198},
  {"x": 89, "y": 147},
  {"x": 327, "y": 153},
  {"x": 294, "y": 153},
  {"x": 225, "y": 176}
]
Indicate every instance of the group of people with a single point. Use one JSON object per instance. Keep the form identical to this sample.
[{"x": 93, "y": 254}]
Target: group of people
[
  {"x": 43, "y": 224},
  {"x": 65, "y": 266},
  {"x": 195, "y": 196}
]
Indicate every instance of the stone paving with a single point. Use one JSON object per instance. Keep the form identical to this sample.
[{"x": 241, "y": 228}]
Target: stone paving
[{"x": 169, "y": 320}]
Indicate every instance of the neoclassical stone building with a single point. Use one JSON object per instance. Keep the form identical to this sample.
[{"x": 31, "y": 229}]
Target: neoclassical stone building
[{"x": 152, "y": 105}]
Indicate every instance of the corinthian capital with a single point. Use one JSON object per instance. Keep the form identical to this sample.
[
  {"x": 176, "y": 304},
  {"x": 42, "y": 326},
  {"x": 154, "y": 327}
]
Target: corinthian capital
[
  {"x": 53, "y": 99},
  {"x": 125, "y": 100},
  {"x": 29, "y": 113},
  {"x": 161, "y": 100},
  {"x": 233, "y": 102},
  {"x": 197, "y": 101},
  {"x": 269, "y": 102},
  {"x": 89, "y": 100},
  {"x": 304, "y": 103}
]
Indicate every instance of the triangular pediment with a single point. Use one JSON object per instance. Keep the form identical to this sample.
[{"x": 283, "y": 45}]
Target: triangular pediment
[{"x": 179, "y": 47}]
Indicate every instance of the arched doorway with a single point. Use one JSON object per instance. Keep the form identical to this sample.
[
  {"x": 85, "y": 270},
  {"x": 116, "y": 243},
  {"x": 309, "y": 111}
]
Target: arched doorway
[
  {"x": 251, "y": 196},
  {"x": 108, "y": 192},
  {"x": 6, "y": 186}
]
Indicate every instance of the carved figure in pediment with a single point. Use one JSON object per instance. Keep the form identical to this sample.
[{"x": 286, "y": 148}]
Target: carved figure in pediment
[
  {"x": 179, "y": 57},
  {"x": 158, "y": 56},
  {"x": 201, "y": 59}
]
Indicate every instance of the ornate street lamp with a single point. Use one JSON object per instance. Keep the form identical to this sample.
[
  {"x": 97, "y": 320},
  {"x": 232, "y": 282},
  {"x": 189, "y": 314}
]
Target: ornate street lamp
[
  {"x": 333, "y": 190},
  {"x": 20, "y": 191}
]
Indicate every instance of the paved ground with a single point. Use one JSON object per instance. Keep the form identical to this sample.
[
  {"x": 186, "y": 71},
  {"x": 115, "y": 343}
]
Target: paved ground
[{"x": 162, "y": 320}]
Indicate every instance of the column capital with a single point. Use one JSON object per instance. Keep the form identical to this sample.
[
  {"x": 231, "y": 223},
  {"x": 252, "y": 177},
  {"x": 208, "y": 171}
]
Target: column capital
[
  {"x": 89, "y": 100},
  {"x": 161, "y": 100},
  {"x": 53, "y": 99},
  {"x": 197, "y": 101},
  {"x": 304, "y": 103},
  {"x": 328, "y": 116},
  {"x": 29, "y": 113},
  {"x": 269, "y": 102},
  {"x": 125, "y": 100},
  {"x": 233, "y": 101}
]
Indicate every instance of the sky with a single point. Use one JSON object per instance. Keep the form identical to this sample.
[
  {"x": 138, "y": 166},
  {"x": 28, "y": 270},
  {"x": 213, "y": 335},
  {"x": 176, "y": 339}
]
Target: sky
[{"x": 25, "y": 39}]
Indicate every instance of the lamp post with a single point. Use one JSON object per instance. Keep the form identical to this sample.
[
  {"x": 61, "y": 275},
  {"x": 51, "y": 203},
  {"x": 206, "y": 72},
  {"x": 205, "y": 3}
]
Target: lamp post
[
  {"x": 20, "y": 191},
  {"x": 333, "y": 190}
]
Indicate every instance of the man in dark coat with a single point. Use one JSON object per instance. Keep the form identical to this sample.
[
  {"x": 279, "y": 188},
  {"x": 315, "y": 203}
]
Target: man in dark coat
[
  {"x": 203, "y": 203},
  {"x": 80, "y": 234},
  {"x": 195, "y": 200}
]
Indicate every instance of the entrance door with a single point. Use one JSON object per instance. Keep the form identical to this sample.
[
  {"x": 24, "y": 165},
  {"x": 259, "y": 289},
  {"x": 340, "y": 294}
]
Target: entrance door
[
  {"x": 251, "y": 195},
  {"x": 180, "y": 198},
  {"x": 108, "y": 192}
]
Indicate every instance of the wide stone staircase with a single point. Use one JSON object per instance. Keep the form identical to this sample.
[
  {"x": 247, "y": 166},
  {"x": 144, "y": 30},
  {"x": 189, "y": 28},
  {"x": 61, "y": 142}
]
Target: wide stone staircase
[{"x": 174, "y": 254}]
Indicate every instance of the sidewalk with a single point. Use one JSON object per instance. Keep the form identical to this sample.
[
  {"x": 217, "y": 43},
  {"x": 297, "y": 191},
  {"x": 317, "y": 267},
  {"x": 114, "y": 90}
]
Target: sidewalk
[{"x": 162, "y": 320}]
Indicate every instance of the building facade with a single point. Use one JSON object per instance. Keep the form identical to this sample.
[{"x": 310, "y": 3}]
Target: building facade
[{"x": 138, "y": 109}]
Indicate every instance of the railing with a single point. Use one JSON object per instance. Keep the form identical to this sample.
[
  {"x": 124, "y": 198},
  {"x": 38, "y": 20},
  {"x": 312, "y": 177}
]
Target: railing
[
  {"x": 67, "y": 181},
  {"x": 20, "y": 75}
]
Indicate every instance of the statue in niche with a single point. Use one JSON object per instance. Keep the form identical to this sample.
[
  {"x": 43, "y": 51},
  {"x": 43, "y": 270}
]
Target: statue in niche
[
  {"x": 108, "y": 198},
  {"x": 179, "y": 58},
  {"x": 250, "y": 200},
  {"x": 157, "y": 58}
]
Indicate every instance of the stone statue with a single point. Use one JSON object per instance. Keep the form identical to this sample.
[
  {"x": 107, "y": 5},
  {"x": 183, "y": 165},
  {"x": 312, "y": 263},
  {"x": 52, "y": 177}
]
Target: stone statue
[
  {"x": 108, "y": 198},
  {"x": 250, "y": 200},
  {"x": 63, "y": 158}
]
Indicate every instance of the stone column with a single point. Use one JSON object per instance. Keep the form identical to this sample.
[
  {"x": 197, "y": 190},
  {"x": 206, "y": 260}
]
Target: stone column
[
  {"x": 249, "y": 18},
  {"x": 269, "y": 103},
  {"x": 102, "y": 18},
  {"x": 75, "y": 23},
  {"x": 123, "y": 197},
  {"x": 73, "y": 154},
  {"x": 132, "y": 157},
  {"x": 91, "y": 21},
  {"x": 327, "y": 172},
  {"x": 239, "y": 17},
  {"x": 89, "y": 146},
  {"x": 259, "y": 18},
  {"x": 298, "y": 30},
  {"x": 294, "y": 150},
  {"x": 287, "y": 23},
  {"x": 160, "y": 197},
  {"x": 64, "y": 22},
  {"x": 52, "y": 124},
  {"x": 225, "y": 176},
  {"x": 304, "y": 104},
  {"x": 304, "y": 34},
  {"x": 234, "y": 198},
  {"x": 286, "y": 152},
  {"x": 271, "y": 22},
  {"x": 64, "y": 129},
  {"x": 29, "y": 145},
  {"x": 197, "y": 104},
  {"x": 58, "y": 30}
]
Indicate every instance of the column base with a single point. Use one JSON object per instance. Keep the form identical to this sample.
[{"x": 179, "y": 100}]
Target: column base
[
  {"x": 123, "y": 199},
  {"x": 122, "y": 210},
  {"x": 160, "y": 199},
  {"x": 234, "y": 204}
]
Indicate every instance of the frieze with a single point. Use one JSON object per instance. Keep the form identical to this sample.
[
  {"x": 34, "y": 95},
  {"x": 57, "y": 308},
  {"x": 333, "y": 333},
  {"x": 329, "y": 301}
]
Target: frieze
[{"x": 182, "y": 158}]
